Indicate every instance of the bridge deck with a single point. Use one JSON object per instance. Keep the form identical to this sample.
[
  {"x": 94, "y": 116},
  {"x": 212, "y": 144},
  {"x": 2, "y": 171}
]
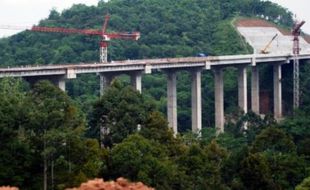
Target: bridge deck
[{"x": 144, "y": 64}]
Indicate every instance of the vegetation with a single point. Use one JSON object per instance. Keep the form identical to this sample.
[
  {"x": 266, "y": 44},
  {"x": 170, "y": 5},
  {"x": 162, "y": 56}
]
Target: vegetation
[
  {"x": 52, "y": 139},
  {"x": 43, "y": 134},
  {"x": 168, "y": 29}
]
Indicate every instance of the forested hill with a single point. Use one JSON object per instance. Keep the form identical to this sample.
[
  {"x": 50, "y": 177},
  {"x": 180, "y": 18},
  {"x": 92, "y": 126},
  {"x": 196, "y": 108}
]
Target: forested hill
[
  {"x": 49, "y": 140},
  {"x": 169, "y": 29}
]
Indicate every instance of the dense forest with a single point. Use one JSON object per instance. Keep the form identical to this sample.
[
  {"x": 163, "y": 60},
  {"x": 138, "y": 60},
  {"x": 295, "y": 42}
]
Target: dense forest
[{"x": 51, "y": 137}]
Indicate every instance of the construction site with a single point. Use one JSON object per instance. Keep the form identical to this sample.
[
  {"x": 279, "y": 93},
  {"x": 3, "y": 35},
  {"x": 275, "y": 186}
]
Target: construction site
[{"x": 185, "y": 95}]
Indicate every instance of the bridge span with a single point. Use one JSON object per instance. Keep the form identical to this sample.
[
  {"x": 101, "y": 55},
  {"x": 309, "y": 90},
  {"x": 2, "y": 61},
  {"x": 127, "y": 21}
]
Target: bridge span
[{"x": 170, "y": 66}]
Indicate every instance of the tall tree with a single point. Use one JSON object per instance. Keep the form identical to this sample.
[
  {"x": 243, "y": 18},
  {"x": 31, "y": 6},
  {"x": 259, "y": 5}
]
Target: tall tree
[
  {"x": 118, "y": 113},
  {"x": 255, "y": 173},
  {"x": 56, "y": 131},
  {"x": 16, "y": 156},
  {"x": 140, "y": 159}
]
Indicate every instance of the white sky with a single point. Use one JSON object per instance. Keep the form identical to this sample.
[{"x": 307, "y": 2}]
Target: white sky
[
  {"x": 29, "y": 12},
  {"x": 298, "y": 7}
]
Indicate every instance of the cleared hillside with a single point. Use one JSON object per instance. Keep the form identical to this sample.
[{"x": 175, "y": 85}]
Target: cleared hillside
[{"x": 258, "y": 33}]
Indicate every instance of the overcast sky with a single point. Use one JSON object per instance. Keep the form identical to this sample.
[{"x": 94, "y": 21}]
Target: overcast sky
[
  {"x": 300, "y": 8},
  {"x": 29, "y": 12}
]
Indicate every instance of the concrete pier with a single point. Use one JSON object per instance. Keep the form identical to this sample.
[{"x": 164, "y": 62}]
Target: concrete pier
[
  {"x": 136, "y": 81},
  {"x": 219, "y": 100},
  {"x": 277, "y": 91},
  {"x": 172, "y": 100},
  {"x": 242, "y": 89},
  {"x": 105, "y": 81},
  {"x": 196, "y": 101},
  {"x": 57, "y": 80},
  {"x": 61, "y": 83},
  {"x": 255, "y": 90}
]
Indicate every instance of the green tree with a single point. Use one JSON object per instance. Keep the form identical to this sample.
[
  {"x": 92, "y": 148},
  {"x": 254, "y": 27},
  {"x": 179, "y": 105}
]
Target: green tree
[
  {"x": 216, "y": 157},
  {"x": 194, "y": 163},
  {"x": 273, "y": 139},
  {"x": 304, "y": 185},
  {"x": 55, "y": 128},
  {"x": 16, "y": 156},
  {"x": 279, "y": 150},
  {"x": 287, "y": 169},
  {"x": 118, "y": 112},
  {"x": 140, "y": 159},
  {"x": 202, "y": 166},
  {"x": 298, "y": 127},
  {"x": 156, "y": 128},
  {"x": 255, "y": 173},
  {"x": 77, "y": 160}
]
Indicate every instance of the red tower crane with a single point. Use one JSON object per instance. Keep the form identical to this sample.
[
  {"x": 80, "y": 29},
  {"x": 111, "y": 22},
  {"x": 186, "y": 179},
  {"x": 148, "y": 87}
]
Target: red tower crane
[
  {"x": 105, "y": 37},
  {"x": 296, "y": 49}
]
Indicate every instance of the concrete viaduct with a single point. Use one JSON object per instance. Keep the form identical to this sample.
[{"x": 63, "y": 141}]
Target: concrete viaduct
[{"x": 170, "y": 66}]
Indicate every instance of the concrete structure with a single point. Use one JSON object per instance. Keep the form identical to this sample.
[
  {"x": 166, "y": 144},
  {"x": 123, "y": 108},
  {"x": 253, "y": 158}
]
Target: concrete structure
[
  {"x": 242, "y": 89},
  {"x": 258, "y": 38},
  {"x": 172, "y": 100},
  {"x": 135, "y": 68},
  {"x": 136, "y": 80},
  {"x": 57, "y": 80},
  {"x": 277, "y": 91},
  {"x": 255, "y": 90},
  {"x": 196, "y": 101},
  {"x": 105, "y": 81},
  {"x": 219, "y": 99}
]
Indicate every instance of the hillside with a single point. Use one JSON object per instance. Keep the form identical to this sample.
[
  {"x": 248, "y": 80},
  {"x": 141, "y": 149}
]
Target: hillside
[
  {"x": 169, "y": 29},
  {"x": 258, "y": 33},
  {"x": 52, "y": 139}
]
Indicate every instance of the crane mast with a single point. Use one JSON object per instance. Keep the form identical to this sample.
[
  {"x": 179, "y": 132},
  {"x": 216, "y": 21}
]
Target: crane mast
[
  {"x": 103, "y": 51},
  {"x": 296, "y": 49},
  {"x": 105, "y": 37}
]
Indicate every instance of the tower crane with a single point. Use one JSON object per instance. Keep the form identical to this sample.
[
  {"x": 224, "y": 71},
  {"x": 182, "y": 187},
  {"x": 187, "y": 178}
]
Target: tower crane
[
  {"x": 296, "y": 49},
  {"x": 105, "y": 37}
]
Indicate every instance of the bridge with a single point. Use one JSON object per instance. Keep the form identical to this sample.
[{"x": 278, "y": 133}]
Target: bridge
[{"x": 58, "y": 74}]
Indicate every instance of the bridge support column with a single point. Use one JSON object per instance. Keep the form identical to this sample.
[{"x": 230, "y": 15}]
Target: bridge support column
[
  {"x": 105, "y": 81},
  {"x": 61, "y": 83},
  {"x": 57, "y": 80},
  {"x": 136, "y": 81},
  {"x": 219, "y": 100},
  {"x": 255, "y": 90},
  {"x": 277, "y": 90},
  {"x": 172, "y": 100},
  {"x": 242, "y": 89},
  {"x": 196, "y": 101}
]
